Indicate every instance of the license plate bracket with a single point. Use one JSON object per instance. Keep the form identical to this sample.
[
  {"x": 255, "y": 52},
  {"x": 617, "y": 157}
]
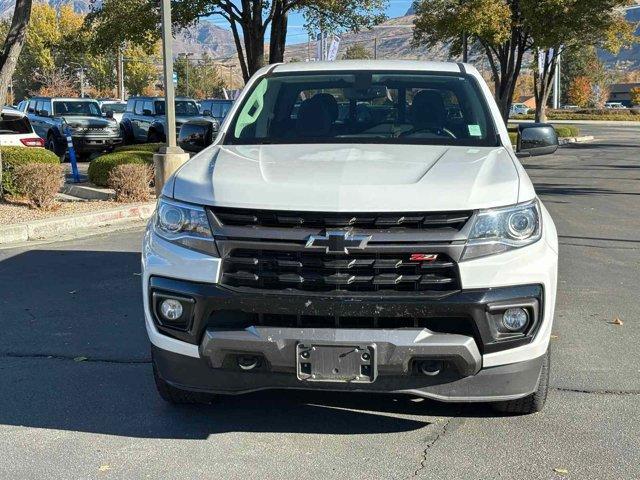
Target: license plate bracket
[{"x": 336, "y": 363}]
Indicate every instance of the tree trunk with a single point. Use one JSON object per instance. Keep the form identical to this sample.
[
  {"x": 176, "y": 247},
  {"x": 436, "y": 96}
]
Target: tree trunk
[
  {"x": 11, "y": 51},
  {"x": 278, "y": 33},
  {"x": 542, "y": 85}
]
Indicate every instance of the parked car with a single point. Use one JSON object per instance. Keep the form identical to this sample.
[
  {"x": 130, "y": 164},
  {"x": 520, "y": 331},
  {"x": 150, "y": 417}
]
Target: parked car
[
  {"x": 16, "y": 130},
  {"x": 570, "y": 107},
  {"x": 22, "y": 105},
  {"x": 90, "y": 131},
  {"x": 519, "y": 109},
  {"x": 216, "y": 108},
  {"x": 614, "y": 105},
  {"x": 116, "y": 107},
  {"x": 403, "y": 253},
  {"x": 144, "y": 118}
]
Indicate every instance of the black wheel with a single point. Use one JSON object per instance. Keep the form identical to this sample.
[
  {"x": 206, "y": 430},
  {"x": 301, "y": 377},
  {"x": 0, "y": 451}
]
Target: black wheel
[
  {"x": 126, "y": 137},
  {"x": 177, "y": 396},
  {"x": 55, "y": 146},
  {"x": 532, "y": 403},
  {"x": 154, "y": 137}
]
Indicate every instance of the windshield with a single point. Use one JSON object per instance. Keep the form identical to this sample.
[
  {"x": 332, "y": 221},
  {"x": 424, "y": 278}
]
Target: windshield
[
  {"x": 365, "y": 107},
  {"x": 113, "y": 107},
  {"x": 74, "y": 107},
  {"x": 185, "y": 108}
]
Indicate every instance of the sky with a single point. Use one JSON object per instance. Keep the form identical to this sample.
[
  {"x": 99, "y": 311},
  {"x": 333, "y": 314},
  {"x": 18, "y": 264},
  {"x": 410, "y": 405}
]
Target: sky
[{"x": 296, "y": 32}]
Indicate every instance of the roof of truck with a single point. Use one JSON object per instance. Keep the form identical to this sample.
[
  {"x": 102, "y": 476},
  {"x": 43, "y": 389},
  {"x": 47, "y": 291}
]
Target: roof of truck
[{"x": 376, "y": 65}]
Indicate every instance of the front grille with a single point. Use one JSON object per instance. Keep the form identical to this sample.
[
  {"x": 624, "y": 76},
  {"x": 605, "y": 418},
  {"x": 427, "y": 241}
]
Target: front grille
[
  {"x": 238, "y": 320},
  {"x": 287, "y": 219},
  {"x": 354, "y": 272}
]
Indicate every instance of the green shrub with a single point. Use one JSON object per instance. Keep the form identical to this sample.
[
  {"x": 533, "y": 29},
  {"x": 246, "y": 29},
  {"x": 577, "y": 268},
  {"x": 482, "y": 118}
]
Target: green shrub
[
  {"x": 513, "y": 136},
  {"x": 141, "y": 147},
  {"x": 611, "y": 115},
  {"x": 100, "y": 168},
  {"x": 567, "y": 130},
  {"x": 14, "y": 156}
]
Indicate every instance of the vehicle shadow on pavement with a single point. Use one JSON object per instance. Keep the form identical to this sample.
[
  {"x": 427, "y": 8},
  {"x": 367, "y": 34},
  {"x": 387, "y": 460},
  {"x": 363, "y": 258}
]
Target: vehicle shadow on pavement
[{"x": 74, "y": 356}]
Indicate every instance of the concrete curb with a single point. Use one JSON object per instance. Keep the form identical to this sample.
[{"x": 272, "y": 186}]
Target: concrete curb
[
  {"x": 53, "y": 227},
  {"x": 583, "y": 139},
  {"x": 88, "y": 193}
]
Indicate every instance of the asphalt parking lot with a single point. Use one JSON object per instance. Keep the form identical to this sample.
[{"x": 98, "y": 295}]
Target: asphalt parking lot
[{"x": 77, "y": 398}]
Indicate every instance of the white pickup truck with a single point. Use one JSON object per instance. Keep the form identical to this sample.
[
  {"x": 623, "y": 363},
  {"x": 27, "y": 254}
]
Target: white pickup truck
[{"x": 355, "y": 226}]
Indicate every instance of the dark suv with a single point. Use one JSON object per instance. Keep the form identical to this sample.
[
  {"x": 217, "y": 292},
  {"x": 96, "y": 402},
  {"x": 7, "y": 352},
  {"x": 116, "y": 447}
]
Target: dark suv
[
  {"x": 144, "y": 118},
  {"x": 91, "y": 130}
]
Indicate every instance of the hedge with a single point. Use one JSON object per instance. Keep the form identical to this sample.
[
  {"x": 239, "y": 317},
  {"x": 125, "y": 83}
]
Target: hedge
[
  {"x": 140, "y": 147},
  {"x": 567, "y": 130},
  {"x": 631, "y": 116},
  {"x": 100, "y": 167},
  {"x": 561, "y": 130},
  {"x": 14, "y": 156}
]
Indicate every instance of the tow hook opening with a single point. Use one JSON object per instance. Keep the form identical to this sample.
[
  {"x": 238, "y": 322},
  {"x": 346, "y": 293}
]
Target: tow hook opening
[
  {"x": 430, "y": 368},
  {"x": 248, "y": 362}
]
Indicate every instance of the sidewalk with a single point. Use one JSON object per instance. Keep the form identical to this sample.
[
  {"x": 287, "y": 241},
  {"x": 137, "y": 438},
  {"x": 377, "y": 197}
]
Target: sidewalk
[{"x": 80, "y": 224}]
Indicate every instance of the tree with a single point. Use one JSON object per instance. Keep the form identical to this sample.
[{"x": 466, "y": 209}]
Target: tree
[
  {"x": 635, "y": 95},
  {"x": 205, "y": 80},
  {"x": 356, "y": 52},
  {"x": 579, "y": 91},
  {"x": 141, "y": 70},
  {"x": 497, "y": 26},
  {"x": 55, "y": 40},
  {"x": 558, "y": 26},
  {"x": 11, "y": 51},
  {"x": 249, "y": 21},
  {"x": 13, "y": 44},
  {"x": 506, "y": 29}
]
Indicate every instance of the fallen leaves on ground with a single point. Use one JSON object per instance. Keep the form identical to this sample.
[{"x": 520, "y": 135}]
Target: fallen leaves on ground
[
  {"x": 617, "y": 321},
  {"x": 79, "y": 359},
  {"x": 104, "y": 468},
  {"x": 561, "y": 471}
]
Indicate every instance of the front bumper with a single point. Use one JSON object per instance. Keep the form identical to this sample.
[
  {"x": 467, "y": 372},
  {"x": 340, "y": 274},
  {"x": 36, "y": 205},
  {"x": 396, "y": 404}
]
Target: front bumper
[
  {"x": 88, "y": 144},
  {"x": 221, "y": 324},
  {"x": 505, "y": 382}
]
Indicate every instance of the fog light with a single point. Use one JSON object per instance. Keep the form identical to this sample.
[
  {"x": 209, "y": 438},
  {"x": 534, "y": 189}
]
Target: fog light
[
  {"x": 171, "y": 309},
  {"x": 515, "y": 319}
]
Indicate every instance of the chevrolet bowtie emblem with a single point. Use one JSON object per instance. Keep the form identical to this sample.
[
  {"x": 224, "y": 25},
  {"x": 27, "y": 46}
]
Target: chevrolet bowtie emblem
[{"x": 338, "y": 242}]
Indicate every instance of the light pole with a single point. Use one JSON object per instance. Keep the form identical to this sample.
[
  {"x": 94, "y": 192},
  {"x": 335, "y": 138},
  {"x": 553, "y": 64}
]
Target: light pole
[
  {"x": 170, "y": 157},
  {"x": 186, "y": 57}
]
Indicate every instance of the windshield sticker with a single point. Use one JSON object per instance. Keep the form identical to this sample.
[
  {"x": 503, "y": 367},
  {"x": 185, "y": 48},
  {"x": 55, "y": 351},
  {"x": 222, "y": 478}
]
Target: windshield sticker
[{"x": 474, "y": 130}]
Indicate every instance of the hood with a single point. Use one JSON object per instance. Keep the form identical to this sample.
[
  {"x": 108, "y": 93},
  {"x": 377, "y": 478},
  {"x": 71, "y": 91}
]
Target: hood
[
  {"x": 350, "y": 178},
  {"x": 89, "y": 121}
]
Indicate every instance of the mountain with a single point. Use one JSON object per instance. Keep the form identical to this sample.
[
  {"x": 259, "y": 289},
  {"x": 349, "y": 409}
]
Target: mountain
[{"x": 204, "y": 37}]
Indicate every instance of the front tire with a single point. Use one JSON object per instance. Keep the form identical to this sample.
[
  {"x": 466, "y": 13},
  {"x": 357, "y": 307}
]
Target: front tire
[
  {"x": 155, "y": 137},
  {"x": 531, "y": 403},
  {"x": 54, "y": 146},
  {"x": 178, "y": 396}
]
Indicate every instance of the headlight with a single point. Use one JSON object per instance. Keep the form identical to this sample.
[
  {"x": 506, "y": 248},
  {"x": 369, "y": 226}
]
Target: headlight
[
  {"x": 501, "y": 229},
  {"x": 185, "y": 225}
]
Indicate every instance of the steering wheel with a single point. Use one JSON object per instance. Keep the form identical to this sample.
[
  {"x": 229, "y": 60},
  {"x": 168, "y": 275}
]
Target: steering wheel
[{"x": 440, "y": 131}]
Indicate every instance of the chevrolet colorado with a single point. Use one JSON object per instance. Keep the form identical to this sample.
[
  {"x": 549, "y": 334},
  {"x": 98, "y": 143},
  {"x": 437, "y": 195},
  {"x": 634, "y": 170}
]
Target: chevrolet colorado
[{"x": 356, "y": 226}]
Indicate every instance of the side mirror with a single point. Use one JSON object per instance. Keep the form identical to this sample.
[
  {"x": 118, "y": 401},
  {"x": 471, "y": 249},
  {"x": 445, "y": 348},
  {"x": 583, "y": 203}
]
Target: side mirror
[
  {"x": 109, "y": 114},
  {"x": 197, "y": 135},
  {"x": 207, "y": 113},
  {"x": 43, "y": 113},
  {"x": 146, "y": 112},
  {"x": 536, "y": 139}
]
